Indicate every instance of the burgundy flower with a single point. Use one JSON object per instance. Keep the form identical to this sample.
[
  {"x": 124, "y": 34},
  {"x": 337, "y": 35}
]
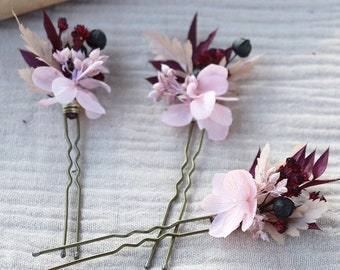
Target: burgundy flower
[
  {"x": 281, "y": 225},
  {"x": 211, "y": 56},
  {"x": 62, "y": 24},
  {"x": 302, "y": 172},
  {"x": 295, "y": 176},
  {"x": 79, "y": 35},
  {"x": 82, "y": 31},
  {"x": 202, "y": 56}
]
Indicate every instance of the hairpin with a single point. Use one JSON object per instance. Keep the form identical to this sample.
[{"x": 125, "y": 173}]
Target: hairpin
[
  {"x": 194, "y": 79},
  {"x": 67, "y": 70},
  {"x": 267, "y": 201}
]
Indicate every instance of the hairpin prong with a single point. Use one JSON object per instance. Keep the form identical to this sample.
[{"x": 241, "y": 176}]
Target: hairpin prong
[
  {"x": 157, "y": 239},
  {"x": 184, "y": 195},
  {"x": 71, "y": 112},
  {"x": 126, "y": 235},
  {"x": 173, "y": 199},
  {"x": 147, "y": 239},
  {"x": 184, "y": 203}
]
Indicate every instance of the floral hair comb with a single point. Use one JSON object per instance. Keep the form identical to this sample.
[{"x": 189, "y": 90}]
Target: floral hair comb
[
  {"x": 67, "y": 70},
  {"x": 266, "y": 201},
  {"x": 193, "y": 79}
]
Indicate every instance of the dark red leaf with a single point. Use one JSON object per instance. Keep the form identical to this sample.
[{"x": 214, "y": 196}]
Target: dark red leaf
[
  {"x": 317, "y": 182},
  {"x": 172, "y": 64},
  {"x": 51, "y": 33},
  {"x": 308, "y": 164},
  {"x": 252, "y": 168},
  {"x": 313, "y": 226},
  {"x": 300, "y": 155},
  {"x": 204, "y": 45},
  {"x": 320, "y": 165},
  {"x": 228, "y": 53},
  {"x": 152, "y": 80},
  {"x": 31, "y": 59},
  {"x": 192, "y": 34}
]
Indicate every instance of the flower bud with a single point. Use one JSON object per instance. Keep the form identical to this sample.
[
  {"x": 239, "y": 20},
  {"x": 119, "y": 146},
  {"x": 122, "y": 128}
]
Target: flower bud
[
  {"x": 281, "y": 225},
  {"x": 97, "y": 39},
  {"x": 283, "y": 207},
  {"x": 62, "y": 24},
  {"x": 242, "y": 47}
]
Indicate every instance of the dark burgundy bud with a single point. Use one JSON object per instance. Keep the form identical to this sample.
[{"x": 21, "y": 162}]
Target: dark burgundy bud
[
  {"x": 97, "y": 39},
  {"x": 281, "y": 225},
  {"x": 283, "y": 207},
  {"x": 62, "y": 24},
  {"x": 242, "y": 47}
]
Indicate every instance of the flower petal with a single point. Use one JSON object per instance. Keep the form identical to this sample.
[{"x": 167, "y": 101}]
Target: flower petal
[
  {"x": 225, "y": 223},
  {"x": 213, "y": 78},
  {"x": 217, "y": 204},
  {"x": 202, "y": 107},
  {"x": 217, "y": 125},
  {"x": 93, "y": 67},
  {"x": 92, "y": 115},
  {"x": 234, "y": 198},
  {"x": 43, "y": 77},
  {"x": 48, "y": 101},
  {"x": 89, "y": 102},
  {"x": 89, "y": 83},
  {"x": 64, "y": 90},
  {"x": 177, "y": 115}
]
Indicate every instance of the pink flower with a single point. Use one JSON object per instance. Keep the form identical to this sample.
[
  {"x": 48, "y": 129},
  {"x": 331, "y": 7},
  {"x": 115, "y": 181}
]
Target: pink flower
[
  {"x": 199, "y": 102},
  {"x": 65, "y": 90},
  {"x": 233, "y": 199}
]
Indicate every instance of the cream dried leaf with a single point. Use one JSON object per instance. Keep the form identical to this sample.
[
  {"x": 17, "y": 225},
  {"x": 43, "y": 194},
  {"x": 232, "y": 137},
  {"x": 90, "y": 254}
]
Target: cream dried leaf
[
  {"x": 41, "y": 48},
  {"x": 242, "y": 67},
  {"x": 165, "y": 49},
  {"x": 26, "y": 75}
]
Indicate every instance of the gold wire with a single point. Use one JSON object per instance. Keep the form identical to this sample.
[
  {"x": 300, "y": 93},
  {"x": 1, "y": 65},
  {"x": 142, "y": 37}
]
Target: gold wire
[
  {"x": 129, "y": 245},
  {"x": 148, "y": 239},
  {"x": 167, "y": 211},
  {"x": 106, "y": 237},
  {"x": 69, "y": 183},
  {"x": 72, "y": 108},
  {"x": 77, "y": 174},
  {"x": 193, "y": 165}
]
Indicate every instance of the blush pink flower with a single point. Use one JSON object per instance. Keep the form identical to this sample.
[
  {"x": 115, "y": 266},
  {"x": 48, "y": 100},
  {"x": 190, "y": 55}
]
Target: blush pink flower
[
  {"x": 64, "y": 90},
  {"x": 234, "y": 200},
  {"x": 198, "y": 102}
]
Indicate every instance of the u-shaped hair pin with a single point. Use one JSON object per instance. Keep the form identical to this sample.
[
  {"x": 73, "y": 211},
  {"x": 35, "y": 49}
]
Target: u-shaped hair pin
[{"x": 65, "y": 72}]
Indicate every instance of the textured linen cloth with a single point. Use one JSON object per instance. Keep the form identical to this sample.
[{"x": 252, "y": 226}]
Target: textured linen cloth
[{"x": 130, "y": 160}]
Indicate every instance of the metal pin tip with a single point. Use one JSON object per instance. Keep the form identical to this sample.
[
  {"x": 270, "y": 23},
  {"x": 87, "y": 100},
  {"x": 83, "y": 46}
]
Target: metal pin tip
[
  {"x": 147, "y": 265},
  {"x": 63, "y": 253},
  {"x": 76, "y": 255},
  {"x": 36, "y": 254}
]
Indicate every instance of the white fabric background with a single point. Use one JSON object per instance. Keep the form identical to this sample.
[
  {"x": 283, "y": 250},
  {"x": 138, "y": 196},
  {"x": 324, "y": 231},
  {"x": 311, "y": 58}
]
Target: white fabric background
[{"x": 130, "y": 159}]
